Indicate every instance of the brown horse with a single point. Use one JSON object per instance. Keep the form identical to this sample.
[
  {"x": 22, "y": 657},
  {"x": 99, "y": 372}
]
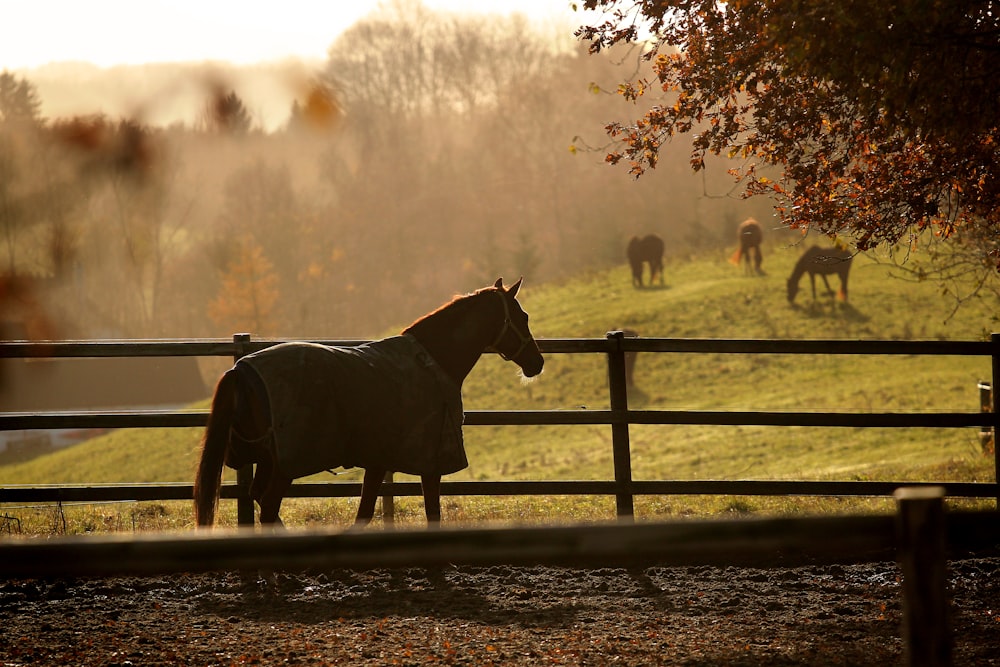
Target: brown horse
[
  {"x": 749, "y": 236},
  {"x": 296, "y": 409},
  {"x": 822, "y": 262},
  {"x": 648, "y": 250}
]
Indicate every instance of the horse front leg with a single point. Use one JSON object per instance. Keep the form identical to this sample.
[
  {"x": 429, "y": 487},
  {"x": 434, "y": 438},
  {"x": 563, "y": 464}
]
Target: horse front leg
[
  {"x": 369, "y": 494},
  {"x": 431, "y": 485}
]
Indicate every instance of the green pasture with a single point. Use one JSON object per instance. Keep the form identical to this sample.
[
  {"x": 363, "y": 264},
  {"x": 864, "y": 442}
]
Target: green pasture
[{"x": 704, "y": 298}]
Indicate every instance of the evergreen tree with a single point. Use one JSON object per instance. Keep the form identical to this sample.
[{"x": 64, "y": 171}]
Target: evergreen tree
[
  {"x": 19, "y": 101},
  {"x": 226, "y": 114}
]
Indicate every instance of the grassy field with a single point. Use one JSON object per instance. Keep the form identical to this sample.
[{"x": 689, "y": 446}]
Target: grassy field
[{"x": 702, "y": 298}]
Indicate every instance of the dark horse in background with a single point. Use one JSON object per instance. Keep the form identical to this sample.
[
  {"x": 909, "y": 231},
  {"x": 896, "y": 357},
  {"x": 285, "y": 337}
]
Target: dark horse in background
[
  {"x": 647, "y": 250},
  {"x": 296, "y": 409},
  {"x": 822, "y": 262},
  {"x": 749, "y": 236}
]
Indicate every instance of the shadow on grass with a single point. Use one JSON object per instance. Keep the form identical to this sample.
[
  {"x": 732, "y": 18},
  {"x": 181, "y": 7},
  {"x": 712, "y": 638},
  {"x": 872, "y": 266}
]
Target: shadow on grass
[{"x": 831, "y": 309}]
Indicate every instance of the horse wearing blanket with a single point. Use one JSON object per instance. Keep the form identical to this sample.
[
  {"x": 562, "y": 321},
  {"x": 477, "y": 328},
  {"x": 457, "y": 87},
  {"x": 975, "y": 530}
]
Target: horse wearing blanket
[{"x": 296, "y": 409}]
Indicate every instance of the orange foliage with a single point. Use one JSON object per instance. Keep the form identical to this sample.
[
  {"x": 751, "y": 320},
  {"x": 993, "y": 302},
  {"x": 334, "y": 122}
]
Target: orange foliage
[
  {"x": 248, "y": 295},
  {"x": 882, "y": 117}
]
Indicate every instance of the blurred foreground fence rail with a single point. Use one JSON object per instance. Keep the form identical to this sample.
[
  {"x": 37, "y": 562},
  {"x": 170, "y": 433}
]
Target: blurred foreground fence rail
[{"x": 617, "y": 347}]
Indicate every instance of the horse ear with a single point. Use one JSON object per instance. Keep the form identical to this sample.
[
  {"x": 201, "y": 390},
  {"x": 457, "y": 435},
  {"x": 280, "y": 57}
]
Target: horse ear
[
  {"x": 513, "y": 288},
  {"x": 499, "y": 283}
]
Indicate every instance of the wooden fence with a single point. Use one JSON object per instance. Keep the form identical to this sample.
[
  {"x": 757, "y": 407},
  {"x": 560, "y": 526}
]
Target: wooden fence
[
  {"x": 919, "y": 537},
  {"x": 615, "y": 347}
]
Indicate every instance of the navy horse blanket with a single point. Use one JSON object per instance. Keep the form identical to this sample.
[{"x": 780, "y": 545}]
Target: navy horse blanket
[{"x": 385, "y": 404}]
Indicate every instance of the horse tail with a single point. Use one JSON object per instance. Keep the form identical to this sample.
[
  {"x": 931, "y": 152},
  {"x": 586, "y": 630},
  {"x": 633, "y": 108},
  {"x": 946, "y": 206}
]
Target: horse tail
[{"x": 213, "y": 452}]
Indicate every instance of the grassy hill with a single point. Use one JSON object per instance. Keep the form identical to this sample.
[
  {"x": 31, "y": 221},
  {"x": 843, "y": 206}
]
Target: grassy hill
[{"x": 707, "y": 297}]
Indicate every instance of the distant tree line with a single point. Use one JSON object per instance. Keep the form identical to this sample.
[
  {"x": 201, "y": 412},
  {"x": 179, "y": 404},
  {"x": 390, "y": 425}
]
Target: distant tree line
[{"x": 432, "y": 154}]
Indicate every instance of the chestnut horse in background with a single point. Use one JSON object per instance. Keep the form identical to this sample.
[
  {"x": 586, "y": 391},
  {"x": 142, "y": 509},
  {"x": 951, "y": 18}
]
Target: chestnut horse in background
[
  {"x": 251, "y": 419},
  {"x": 749, "y": 235},
  {"x": 648, "y": 250},
  {"x": 817, "y": 261}
]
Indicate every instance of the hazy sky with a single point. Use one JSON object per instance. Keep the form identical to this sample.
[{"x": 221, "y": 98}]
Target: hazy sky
[{"x": 110, "y": 32}]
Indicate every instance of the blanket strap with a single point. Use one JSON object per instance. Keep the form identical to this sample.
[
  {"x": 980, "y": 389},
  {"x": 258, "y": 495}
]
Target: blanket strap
[{"x": 253, "y": 441}]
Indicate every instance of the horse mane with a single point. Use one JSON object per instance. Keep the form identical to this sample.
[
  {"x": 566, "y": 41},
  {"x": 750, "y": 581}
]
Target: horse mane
[
  {"x": 454, "y": 333},
  {"x": 456, "y": 306}
]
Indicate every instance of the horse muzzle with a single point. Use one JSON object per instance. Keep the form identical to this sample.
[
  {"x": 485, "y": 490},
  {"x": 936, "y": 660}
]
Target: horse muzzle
[{"x": 533, "y": 366}]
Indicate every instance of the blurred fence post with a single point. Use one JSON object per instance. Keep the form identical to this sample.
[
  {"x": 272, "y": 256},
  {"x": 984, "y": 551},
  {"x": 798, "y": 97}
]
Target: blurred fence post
[
  {"x": 995, "y": 343},
  {"x": 244, "y": 475},
  {"x": 921, "y": 536}
]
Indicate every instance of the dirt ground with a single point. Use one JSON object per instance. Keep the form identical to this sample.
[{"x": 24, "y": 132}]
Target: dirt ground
[{"x": 810, "y": 615}]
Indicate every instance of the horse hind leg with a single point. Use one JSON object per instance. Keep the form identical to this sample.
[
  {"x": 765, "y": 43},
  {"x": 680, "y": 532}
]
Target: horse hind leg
[
  {"x": 746, "y": 254},
  {"x": 269, "y": 489},
  {"x": 270, "y": 503},
  {"x": 826, "y": 283}
]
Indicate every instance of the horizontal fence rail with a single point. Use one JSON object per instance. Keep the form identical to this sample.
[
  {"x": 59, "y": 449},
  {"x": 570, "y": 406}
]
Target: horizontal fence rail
[
  {"x": 219, "y": 348},
  {"x": 619, "y": 417},
  {"x": 150, "y": 419},
  {"x": 143, "y": 492}
]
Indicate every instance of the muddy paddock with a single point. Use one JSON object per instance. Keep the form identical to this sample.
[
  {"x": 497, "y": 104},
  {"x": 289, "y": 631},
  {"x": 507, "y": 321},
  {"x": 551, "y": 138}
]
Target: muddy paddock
[{"x": 808, "y": 615}]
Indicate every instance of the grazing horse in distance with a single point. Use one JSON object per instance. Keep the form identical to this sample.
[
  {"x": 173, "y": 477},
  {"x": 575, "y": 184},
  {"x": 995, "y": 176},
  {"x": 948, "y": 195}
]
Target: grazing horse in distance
[
  {"x": 648, "y": 250},
  {"x": 296, "y": 409},
  {"x": 822, "y": 262},
  {"x": 749, "y": 235}
]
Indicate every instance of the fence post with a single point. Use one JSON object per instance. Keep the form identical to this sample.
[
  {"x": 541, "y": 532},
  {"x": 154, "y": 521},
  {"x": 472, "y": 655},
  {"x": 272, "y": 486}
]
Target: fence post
[
  {"x": 388, "y": 502},
  {"x": 244, "y": 475},
  {"x": 920, "y": 532},
  {"x": 619, "y": 428}
]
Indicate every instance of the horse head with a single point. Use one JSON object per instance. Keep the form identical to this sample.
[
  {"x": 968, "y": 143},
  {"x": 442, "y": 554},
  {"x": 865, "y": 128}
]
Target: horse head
[
  {"x": 793, "y": 289},
  {"x": 514, "y": 341}
]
